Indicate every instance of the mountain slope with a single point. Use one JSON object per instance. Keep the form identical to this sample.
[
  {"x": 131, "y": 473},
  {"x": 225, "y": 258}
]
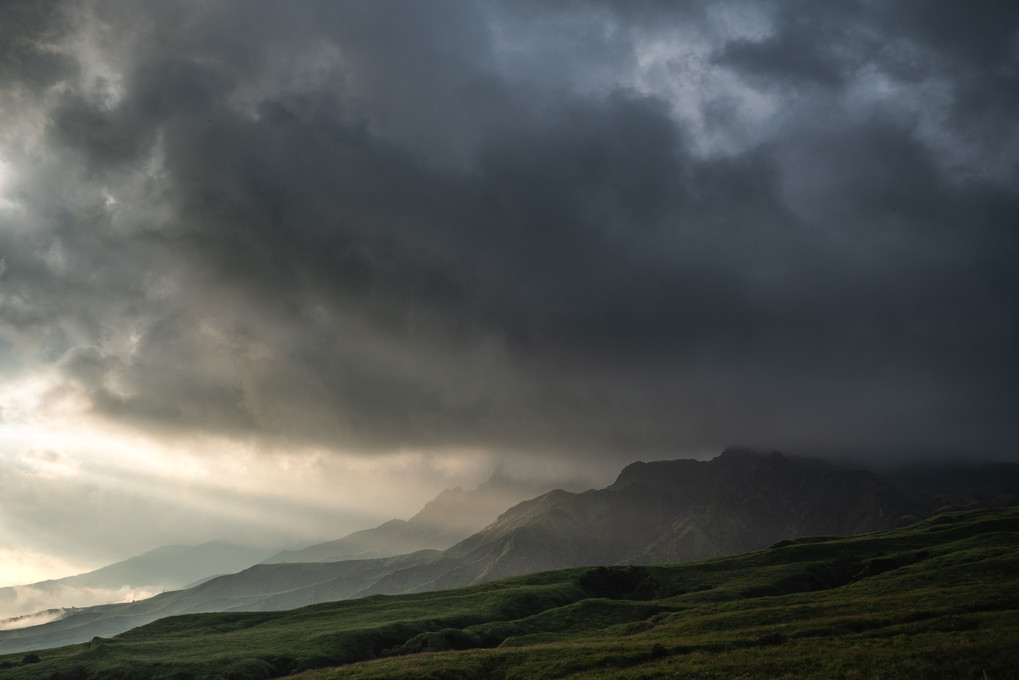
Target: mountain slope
[
  {"x": 263, "y": 587},
  {"x": 935, "y": 599},
  {"x": 165, "y": 568},
  {"x": 450, "y": 517}
]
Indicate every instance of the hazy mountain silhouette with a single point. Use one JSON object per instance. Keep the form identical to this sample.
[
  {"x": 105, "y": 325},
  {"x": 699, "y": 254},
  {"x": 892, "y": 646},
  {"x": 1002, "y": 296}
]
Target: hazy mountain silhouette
[
  {"x": 443, "y": 521},
  {"x": 450, "y": 517}
]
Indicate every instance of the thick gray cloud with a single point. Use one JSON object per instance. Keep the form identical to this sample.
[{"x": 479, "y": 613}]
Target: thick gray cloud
[{"x": 578, "y": 228}]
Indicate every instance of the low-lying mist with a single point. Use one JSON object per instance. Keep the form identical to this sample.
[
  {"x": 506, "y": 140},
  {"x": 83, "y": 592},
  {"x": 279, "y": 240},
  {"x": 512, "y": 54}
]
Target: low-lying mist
[{"x": 32, "y": 605}]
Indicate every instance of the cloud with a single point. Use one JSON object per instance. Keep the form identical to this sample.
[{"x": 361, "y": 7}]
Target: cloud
[
  {"x": 23, "y": 566},
  {"x": 33, "y": 606},
  {"x": 35, "y": 619},
  {"x": 393, "y": 226}
]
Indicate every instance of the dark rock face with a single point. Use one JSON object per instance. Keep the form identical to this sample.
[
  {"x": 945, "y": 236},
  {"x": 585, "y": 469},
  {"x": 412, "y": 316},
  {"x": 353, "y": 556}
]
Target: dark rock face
[
  {"x": 673, "y": 511},
  {"x": 743, "y": 501}
]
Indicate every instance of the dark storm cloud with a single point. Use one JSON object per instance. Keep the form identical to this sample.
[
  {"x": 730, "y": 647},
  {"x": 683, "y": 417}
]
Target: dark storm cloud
[
  {"x": 808, "y": 47},
  {"x": 375, "y": 226},
  {"x": 26, "y": 24}
]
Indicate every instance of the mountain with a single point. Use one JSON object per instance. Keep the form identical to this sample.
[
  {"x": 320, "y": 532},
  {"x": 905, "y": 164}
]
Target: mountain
[
  {"x": 668, "y": 511},
  {"x": 932, "y": 600},
  {"x": 449, "y": 518},
  {"x": 165, "y": 568}
]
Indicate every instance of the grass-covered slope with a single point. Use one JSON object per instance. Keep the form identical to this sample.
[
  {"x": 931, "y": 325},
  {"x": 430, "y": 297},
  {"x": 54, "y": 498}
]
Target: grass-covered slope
[{"x": 936, "y": 599}]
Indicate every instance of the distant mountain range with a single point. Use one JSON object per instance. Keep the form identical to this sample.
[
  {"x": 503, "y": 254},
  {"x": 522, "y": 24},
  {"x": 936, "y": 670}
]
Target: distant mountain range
[{"x": 661, "y": 512}]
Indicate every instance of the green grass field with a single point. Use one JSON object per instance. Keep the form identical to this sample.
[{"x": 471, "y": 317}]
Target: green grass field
[{"x": 939, "y": 599}]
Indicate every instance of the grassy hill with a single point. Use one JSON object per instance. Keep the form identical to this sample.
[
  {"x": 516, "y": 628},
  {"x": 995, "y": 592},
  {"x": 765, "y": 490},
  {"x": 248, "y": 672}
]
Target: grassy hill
[{"x": 936, "y": 599}]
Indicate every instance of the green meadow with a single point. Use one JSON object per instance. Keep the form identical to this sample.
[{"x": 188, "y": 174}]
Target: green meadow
[{"x": 938, "y": 599}]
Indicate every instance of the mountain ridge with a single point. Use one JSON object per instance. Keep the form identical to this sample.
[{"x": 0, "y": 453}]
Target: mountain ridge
[
  {"x": 453, "y": 515},
  {"x": 662, "y": 511},
  {"x": 668, "y": 511}
]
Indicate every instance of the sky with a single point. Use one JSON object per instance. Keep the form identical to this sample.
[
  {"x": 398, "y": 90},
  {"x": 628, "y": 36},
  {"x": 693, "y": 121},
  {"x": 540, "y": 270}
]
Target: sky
[{"x": 274, "y": 272}]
